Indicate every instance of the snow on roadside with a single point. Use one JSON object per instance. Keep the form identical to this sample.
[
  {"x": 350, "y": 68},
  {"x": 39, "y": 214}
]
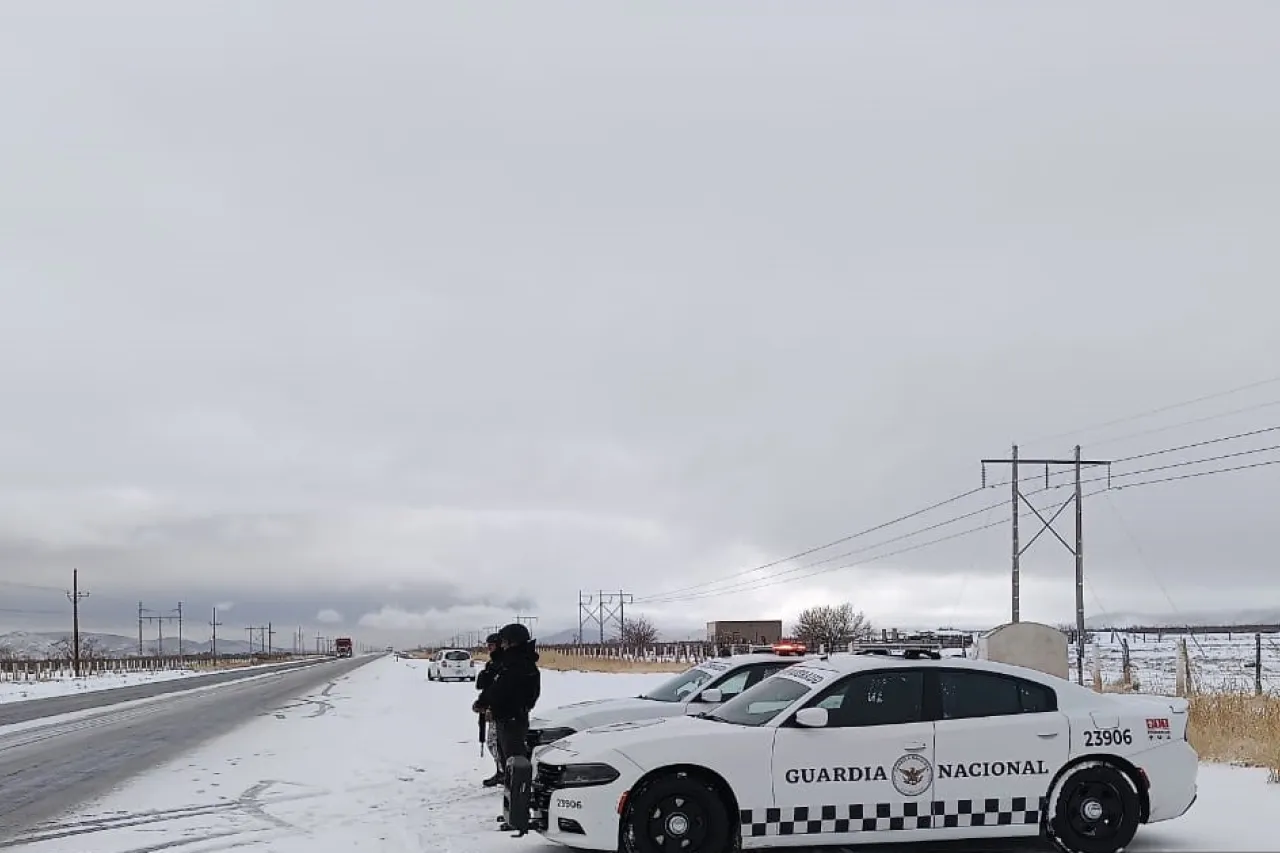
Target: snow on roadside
[
  {"x": 18, "y": 691},
  {"x": 379, "y": 760},
  {"x": 382, "y": 760},
  {"x": 21, "y": 691}
]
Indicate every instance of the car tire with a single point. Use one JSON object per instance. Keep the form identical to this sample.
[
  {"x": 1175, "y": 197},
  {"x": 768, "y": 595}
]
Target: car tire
[
  {"x": 1094, "y": 808},
  {"x": 679, "y": 804}
]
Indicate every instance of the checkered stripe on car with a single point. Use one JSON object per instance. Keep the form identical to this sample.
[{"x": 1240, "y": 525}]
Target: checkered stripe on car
[{"x": 889, "y": 817}]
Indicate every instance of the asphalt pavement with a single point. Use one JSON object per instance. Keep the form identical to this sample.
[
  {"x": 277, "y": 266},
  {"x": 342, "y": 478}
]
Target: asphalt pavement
[
  {"x": 34, "y": 709},
  {"x": 46, "y": 770}
]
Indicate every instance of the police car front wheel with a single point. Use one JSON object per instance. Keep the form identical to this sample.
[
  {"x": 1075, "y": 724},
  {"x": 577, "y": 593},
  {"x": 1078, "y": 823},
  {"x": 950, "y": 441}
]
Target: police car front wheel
[
  {"x": 676, "y": 812},
  {"x": 1096, "y": 810}
]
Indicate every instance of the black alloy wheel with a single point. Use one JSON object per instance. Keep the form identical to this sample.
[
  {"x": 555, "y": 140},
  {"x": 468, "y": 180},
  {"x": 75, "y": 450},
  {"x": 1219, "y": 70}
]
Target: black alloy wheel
[
  {"x": 1096, "y": 812},
  {"x": 677, "y": 814}
]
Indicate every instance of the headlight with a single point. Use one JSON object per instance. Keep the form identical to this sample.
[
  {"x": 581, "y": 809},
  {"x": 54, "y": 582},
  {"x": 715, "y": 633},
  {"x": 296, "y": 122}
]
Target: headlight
[
  {"x": 585, "y": 775},
  {"x": 546, "y": 736}
]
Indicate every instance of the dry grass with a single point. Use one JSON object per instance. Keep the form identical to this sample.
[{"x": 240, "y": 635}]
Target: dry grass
[
  {"x": 1231, "y": 727},
  {"x": 1237, "y": 728},
  {"x": 579, "y": 663}
]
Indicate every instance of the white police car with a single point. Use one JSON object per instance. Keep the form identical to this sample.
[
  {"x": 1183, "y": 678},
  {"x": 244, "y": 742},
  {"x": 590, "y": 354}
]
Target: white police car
[
  {"x": 697, "y": 689},
  {"x": 872, "y": 749}
]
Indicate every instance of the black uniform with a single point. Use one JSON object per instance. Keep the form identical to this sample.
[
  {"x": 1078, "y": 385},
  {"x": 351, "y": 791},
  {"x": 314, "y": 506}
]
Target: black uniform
[
  {"x": 483, "y": 680},
  {"x": 514, "y": 691}
]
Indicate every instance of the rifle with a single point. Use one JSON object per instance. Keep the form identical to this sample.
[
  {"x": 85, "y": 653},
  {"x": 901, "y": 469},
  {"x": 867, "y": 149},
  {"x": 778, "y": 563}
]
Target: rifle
[{"x": 483, "y": 731}]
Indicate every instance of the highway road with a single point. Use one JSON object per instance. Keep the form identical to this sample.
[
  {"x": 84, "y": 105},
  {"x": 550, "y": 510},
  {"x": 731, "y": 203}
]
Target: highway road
[
  {"x": 46, "y": 770},
  {"x": 34, "y": 709}
]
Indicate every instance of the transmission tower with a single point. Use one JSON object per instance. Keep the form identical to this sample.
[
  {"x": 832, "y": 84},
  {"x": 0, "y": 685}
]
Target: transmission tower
[
  {"x": 1077, "y": 550},
  {"x": 611, "y": 611},
  {"x": 587, "y": 615}
]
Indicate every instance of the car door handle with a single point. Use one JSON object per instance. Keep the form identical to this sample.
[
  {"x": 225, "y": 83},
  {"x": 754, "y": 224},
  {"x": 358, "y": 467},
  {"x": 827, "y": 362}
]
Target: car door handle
[
  {"x": 915, "y": 746},
  {"x": 1046, "y": 735}
]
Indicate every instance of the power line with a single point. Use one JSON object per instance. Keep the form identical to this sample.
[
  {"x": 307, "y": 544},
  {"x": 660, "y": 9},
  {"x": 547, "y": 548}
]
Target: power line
[
  {"x": 1195, "y": 444},
  {"x": 735, "y": 577},
  {"x": 1205, "y": 419},
  {"x": 1160, "y": 410},
  {"x": 656, "y": 597},
  {"x": 763, "y": 583},
  {"x": 1199, "y": 474},
  {"x": 841, "y": 540},
  {"x": 1150, "y": 453}
]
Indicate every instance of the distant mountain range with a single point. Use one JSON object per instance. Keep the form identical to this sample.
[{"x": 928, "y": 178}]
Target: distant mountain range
[
  {"x": 43, "y": 644},
  {"x": 1259, "y": 616}
]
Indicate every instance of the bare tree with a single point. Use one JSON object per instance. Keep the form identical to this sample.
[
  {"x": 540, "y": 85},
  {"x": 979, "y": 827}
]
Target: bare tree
[
  {"x": 64, "y": 649},
  {"x": 638, "y": 631},
  {"x": 7, "y": 652},
  {"x": 830, "y": 626}
]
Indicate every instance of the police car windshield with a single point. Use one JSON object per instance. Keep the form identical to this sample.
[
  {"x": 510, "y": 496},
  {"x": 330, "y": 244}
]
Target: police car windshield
[
  {"x": 760, "y": 703},
  {"x": 680, "y": 688}
]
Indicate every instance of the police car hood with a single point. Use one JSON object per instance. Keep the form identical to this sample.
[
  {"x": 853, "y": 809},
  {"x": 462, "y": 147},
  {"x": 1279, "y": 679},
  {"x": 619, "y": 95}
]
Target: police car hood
[
  {"x": 622, "y": 737},
  {"x": 601, "y": 712}
]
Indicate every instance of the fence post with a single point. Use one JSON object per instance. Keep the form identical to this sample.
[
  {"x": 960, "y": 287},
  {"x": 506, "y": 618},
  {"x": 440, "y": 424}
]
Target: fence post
[
  {"x": 1180, "y": 675},
  {"x": 1128, "y": 672},
  {"x": 1257, "y": 664}
]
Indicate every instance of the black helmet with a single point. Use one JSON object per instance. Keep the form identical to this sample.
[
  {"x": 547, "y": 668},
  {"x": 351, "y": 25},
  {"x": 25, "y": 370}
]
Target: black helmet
[
  {"x": 493, "y": 640},
  {"x": 515, "y": 634}
]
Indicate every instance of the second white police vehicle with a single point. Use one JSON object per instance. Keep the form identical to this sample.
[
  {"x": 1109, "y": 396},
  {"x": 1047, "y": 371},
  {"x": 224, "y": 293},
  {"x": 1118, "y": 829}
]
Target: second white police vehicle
[
  {"x": 860, "y": 749},
  {"x": 696, "y": 690}
]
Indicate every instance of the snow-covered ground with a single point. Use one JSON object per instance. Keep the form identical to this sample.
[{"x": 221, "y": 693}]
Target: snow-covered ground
[
  {"x": 1218, "y": 661},
  {"x": 16, "y": 691},
  {"x": 384, "y": 761}
]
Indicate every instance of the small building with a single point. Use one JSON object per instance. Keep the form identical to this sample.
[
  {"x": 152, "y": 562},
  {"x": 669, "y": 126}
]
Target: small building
[
  {"x": 765, "y": 632},
  {"x": 1030, "y": 644}
]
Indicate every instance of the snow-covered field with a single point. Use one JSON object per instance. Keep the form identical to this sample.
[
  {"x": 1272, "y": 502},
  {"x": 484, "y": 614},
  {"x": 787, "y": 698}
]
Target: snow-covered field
[
  {"x": 384, "y": 761},
  {"x": 16, "y": 691},
  {"x": 1218, "y": 661}
]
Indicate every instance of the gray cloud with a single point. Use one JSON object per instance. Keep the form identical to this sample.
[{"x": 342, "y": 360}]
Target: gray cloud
[{"x": 430, "y": 318}]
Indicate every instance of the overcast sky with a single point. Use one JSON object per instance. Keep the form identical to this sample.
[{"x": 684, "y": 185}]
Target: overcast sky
[{"x": 432, "y": 314}]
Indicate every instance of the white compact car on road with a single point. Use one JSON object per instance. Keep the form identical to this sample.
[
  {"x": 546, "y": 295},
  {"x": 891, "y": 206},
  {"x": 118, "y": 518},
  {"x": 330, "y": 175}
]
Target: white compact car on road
[
  {"x": 451, "y": 665},
  {"x": 869, "y": 749},
  {"x": 698, "y": 689}
]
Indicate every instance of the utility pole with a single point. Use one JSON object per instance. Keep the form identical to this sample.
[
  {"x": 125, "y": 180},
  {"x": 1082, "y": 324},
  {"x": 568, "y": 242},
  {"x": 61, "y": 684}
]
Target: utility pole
[
  {"x": 1077, "y": 498},
  {"x": 319, "y": 640},
  {"x": 271, "y": 639},
  {"x": 213, "y": 645},
  {"x": 182, "y": 653},
  {"x": 159, "y": 620},
  {"x": 74, "y": 596}
]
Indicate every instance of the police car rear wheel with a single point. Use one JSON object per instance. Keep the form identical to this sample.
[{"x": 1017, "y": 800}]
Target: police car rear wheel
[
  {"x": 677, "y": 814},
  {"x": 1096, "y": 811}
]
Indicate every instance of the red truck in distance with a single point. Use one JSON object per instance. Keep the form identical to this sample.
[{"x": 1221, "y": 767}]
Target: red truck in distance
[{"x": 343, "y": 646}]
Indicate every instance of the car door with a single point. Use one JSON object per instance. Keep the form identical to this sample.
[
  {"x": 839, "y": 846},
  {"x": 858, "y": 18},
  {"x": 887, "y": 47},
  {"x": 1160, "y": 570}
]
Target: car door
[
  {"x": 999, "y": 740},
  {"x": 867, "y": 777},
  {"x": 733, "y": 683}
]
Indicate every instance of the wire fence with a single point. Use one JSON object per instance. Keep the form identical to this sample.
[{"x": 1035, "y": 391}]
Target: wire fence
[{"x": 56, "y": 669}]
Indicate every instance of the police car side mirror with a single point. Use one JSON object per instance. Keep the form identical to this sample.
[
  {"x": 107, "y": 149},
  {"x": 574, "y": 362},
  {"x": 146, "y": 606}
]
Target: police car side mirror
[
  {"x": 812, "y": 718},
  {"x": 711, "y": 695}
]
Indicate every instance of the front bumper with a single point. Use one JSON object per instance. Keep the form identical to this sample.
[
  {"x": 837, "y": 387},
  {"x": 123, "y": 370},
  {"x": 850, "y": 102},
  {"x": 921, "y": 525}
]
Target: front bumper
[{"x": 584, "y": 818}]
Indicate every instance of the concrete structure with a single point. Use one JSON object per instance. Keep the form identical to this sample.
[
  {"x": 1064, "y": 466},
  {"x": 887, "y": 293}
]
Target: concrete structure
[
  {"x": 1030, "y": 644},
  {"x": 765, "y": 632}
]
